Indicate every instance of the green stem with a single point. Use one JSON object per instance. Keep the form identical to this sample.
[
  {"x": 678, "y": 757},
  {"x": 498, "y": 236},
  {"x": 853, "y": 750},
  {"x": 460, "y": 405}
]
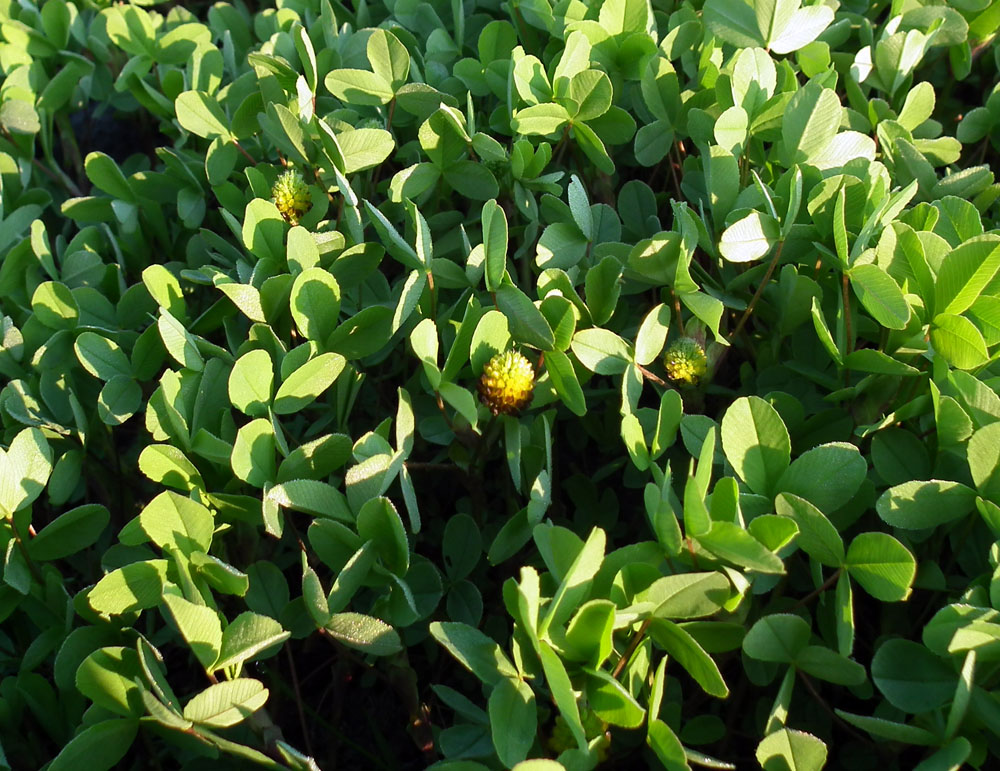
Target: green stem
[{"x": 758, "y": 293}]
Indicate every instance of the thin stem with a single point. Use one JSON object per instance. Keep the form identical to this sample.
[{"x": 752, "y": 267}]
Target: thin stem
[
  {"x": 392, "y": 110},
  {"x": 245, "y": 153},
  {"x": 677, "y": 312},
  {"x": 632, "y": 645},
  {"x": 759, "y": 292},
  {"x": 652, "y": 376},
  {"x": 434, "y": 298},
  {"x": 63, "y": 180},
  {"x": 561, "y": 147},
  {"x": 481, "y": 448},
  {"x": 673, "y": 171},
  {"x": 421, "y": 466},
  {"x": 298, "y": 699},
  {"x": 816, "y": 592},
  {"x": 32, "y": 566},
  {"x": 847, "y": 314},
  {"x": 822, "y": 702}
]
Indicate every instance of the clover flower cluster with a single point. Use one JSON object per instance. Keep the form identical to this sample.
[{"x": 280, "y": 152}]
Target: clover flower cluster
[
  {"x": 291, "y": 196},
  {"x": 686, "y": 362},
  {"x": 507, "y": 383}
]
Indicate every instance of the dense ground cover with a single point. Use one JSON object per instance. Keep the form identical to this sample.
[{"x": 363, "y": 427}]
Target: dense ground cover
[{"x": 484, "y": 385}]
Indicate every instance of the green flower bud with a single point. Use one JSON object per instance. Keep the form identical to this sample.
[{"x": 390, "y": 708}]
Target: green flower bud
[
  {"x": 291, "y": 196},
  {"x": 507, "y": 383},
  {"x": 686, "y": 362}
]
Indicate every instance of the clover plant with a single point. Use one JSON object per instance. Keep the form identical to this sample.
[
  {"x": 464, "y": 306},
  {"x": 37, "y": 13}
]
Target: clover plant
[{"x": 481, "y": 384}]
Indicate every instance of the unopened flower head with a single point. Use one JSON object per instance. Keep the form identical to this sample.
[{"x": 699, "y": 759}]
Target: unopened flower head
[
  {"x": 291, "y": 196},
  {"x": 686, "y": 362},
  {"x": 507, "y": 383}
]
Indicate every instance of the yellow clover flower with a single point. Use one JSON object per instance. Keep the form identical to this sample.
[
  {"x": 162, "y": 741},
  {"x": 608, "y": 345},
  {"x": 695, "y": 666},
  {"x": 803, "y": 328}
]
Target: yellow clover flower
[
  {"x": 686, "y": 362},
  {"x": 507, "y": 383},
  {"x": 291, "y": 196}
]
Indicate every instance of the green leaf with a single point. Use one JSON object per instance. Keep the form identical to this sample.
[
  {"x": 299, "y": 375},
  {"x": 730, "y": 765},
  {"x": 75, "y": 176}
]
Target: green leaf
[
  {"x": 880, "y": 295},
  {"x": 652, "y": 335},
  {"x": 593, "y": 147},
  {"x": 105, "y": 174},
  {"x": 912, "y": 678},
  {"x": 19, "y": 117},
  {"x": 965, "y": 272},
  {"x": 388, "y": 58},
  {"x": 167, "y": 465},
  {"x": 731, "y": 130},
  {"x": 792, "y": 27},
  {"x": 359, "y": 87},
  {"x": 108, "y": 678},
  {"x": 810, "y": 123},
  {"x": 915, "y": 505},
  {"x": 200, "y": 627},
  {"x": 101, "y": 357},
  {"x": 749, "y": 238},
  {"x": 69, "y": 533},
  {"x": 562, "y": 691},
  {"x": 756, "y": 443},
  {"x": 475, "y": 651},
  {"x": 882, "y": 565},
  {"x": 264, "y": 230},
  {"x": 734, "y": 22},
  {"x": 379, "y": 522},
  {"x": 576, "y": 580},
  {"x": 119, "y": 400},
  {"x": 180, "y": 343},
  {"x": 789, "y": 750},
  {"x": 305, "y": 384},
  {"x": 540, "y": 119},
  {"x": 959, "y": 341},
  {"x": 24, "y": 470},
  {"x": 315, "y": 304},
  {"x": 364, "y": 633},
  {"x": 135, "y": 586},
  {"x": 951, "y": 756},
  {"x": 667, "y": 747},
  {"x": 591, "y": 91},
  {"x": 171, "y": 520},
  {"x": 527, "y": 324},
  {"x": 513, "y": 720},
  {"x": 226, "y": 704},
  {"x": 494, "y": 243},
  {"x": 200, "y": 113},
  {"x": 984, "y": 461},
  {"x": 253, "y": 453},
  {"x": 891, "y": 730},
  {"x": 601, "y": 351},
  {"x": 603, "y": 286},
  {"x": 99, "y": 746},
  {"x": 780, "y": 638},
  {"x": 686, "y": 595},
  {"x": 817, "y": 536},
  {"x": 312, "y": 497},
  {"x": 827, "y": 476},
  {"x": 731, "y": 542},
  {"x": 251, "y": 382},
  {"x": 54, "y": 305},
  {"x": 247, "y": 636},
  {"x": 365, "y": 148},
  {"x": 685, "y": 650},
  {"x": 611, "y": 701},
  {"x": 165, "y": 289}
]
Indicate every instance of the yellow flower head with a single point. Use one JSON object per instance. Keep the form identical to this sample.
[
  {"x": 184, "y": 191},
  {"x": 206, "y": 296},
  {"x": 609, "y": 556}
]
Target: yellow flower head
[
  {"x": 686, "y": 362},
  {"x": 291, "y": 196},
  {"x": 507, "y": 383}
]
